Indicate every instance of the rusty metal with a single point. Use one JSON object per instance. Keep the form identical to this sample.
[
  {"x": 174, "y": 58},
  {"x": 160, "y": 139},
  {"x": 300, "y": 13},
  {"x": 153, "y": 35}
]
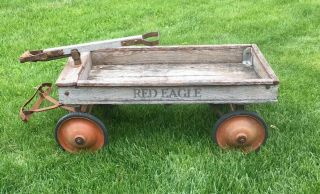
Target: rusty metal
[
  {"x": 142, "y": 40},
  {"x": 77, "y": 133},
  {"x": 241, "y": 131},
  {"x": 76, "y": 57},
  {"x": 40, "y": 55},
  {"x": 75, "y": 50},
  {"x": 221, "y": 109},
  {"x": 43, "y": 90}
]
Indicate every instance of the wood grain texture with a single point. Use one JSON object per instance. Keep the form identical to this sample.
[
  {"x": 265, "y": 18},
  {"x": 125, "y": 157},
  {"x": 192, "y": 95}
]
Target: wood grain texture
[
  {"x": 173, "y": 66},
  {"x": 173, "y": 81},
  {"x": 169, "y": 66},
  {"x": 264, "y": 63},
  {"x": 258, "y": 67},
  {"x": 70, "y": 73},
  {"x": 168, "y": 95},
  {"x": 155, "y": 75},
  {"x": 84, "y": 74},
  {"x": 159, "y": 74},
  {"x": 169, "y": 55}
]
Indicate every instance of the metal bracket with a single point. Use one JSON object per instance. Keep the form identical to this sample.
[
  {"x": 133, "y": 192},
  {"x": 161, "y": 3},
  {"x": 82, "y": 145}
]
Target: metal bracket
[
  {"x": 142, "y": 40},
  {"x": 75, "y": 54},
  {"x": 247, "y": 57},
  {"x": 43, "y": 90}
]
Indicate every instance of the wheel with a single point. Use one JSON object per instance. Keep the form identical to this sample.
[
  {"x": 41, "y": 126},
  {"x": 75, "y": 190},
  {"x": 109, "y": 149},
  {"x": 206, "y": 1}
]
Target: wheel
[
  {"x": 240, "y": 129},
  {"x": 80, "y": 131}
]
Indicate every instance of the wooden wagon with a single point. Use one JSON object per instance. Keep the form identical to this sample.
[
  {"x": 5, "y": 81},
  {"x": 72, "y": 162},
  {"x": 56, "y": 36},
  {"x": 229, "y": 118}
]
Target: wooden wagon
[{"x": 220, "y": 75}]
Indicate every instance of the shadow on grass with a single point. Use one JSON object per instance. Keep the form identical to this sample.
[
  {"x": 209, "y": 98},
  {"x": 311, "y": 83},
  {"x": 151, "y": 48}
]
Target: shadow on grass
[{"x": 175, "y": 122}]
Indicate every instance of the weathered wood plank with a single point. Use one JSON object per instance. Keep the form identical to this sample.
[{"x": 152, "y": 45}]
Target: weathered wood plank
[
  {"x": 173, "y": 81},
  {"x": 264, "y": 64},
  {"x": 169, "y": 55},
  {"x": 84, "y": 74},
  {"x": 70, "y": 73},
  {"x": 220, "y": 71},
  {"x": 258, "y": 68},
  {"x": 167, "y": 95}
]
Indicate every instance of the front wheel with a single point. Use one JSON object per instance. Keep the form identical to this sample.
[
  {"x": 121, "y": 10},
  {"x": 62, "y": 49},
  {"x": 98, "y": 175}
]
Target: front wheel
[
  {"x": 80, "y": 131},
  {"x": 243, "y": 130}
]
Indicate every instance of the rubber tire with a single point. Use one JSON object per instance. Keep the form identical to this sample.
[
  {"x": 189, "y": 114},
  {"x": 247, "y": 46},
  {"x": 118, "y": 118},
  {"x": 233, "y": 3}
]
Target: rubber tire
[
  {"x": 84, "y": 115},
  {"x": 236, "y": 113}
]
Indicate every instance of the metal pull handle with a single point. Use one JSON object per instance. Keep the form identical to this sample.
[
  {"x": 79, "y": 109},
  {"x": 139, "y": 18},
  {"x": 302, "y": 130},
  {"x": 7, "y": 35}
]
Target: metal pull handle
[
  {"x": 40, "y": 55},
  {"x": 74, "y": 50}
]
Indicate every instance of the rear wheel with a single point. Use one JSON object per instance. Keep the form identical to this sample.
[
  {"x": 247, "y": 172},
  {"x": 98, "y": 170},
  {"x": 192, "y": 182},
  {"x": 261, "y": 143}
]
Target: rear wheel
[
  {"x": 243, "y": 130},
  {"x": 80, "y": 131}
]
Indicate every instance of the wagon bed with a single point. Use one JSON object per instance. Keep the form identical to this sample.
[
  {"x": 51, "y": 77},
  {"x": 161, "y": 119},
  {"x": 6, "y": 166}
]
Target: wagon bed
[{"x": 169, "y": 74}]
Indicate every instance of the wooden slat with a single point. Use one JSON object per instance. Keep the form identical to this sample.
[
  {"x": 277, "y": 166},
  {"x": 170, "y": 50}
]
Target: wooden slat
[
  {"x": 173, "y": 81},
  {"x": 84, "y": 74},
  {"x": 258, "y": 67},
  {"x": 178, "y": 95},
  {"x": 264, "y": 64},
  {"x": 219, "y": 71},
  {"x": 70, "y": 73},
  {"x": 169, "y": 55}
]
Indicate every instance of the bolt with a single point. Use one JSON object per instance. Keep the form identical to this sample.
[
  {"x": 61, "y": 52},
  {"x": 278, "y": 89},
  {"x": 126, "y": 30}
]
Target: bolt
[
  {"x": 241, "y": 139},
  {"x": 66, "y": 93},
  {"x": 79, "y": 141}
]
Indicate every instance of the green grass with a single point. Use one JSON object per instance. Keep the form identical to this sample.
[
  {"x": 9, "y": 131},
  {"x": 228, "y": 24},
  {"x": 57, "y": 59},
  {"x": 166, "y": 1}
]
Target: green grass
[{"x": 154, "y": 149}]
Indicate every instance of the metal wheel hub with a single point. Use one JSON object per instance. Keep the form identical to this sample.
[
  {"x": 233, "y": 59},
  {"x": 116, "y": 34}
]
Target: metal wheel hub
[
  {"x": 80, "y": 140},
  {"x": 241, "y": 138}
]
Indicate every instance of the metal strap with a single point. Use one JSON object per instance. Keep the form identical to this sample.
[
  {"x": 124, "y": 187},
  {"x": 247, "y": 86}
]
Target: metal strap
[{"x": 43, "y": 90}]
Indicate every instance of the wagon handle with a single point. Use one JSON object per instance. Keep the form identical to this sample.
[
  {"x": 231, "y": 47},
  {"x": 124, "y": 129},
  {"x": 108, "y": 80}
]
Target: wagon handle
[
  {"x": 142, "y": 40},
  {"x": 41, "y": 55},
  {"x": 43, "y": 90},
  {"x": 75, "y": 50}
]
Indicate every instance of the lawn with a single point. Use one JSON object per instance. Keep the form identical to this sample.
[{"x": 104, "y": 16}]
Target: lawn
[{"x": 159, "y": 149}]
